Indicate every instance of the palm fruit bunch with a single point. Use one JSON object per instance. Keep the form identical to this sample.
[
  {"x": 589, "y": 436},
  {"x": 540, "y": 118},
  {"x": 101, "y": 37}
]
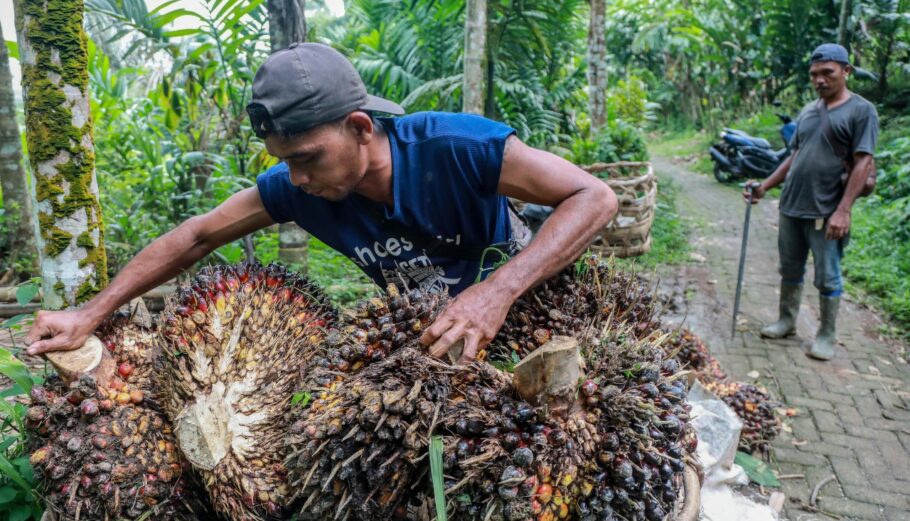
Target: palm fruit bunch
[
  {"x": 234, "y": 343},
  {"x": 353, "y": 448},
  {"x": 575, "y": 303},
  {"x": 692, "y": 353},
  {"x": 752, "y": 404},
  {"x": 357, "y": 449},
  {"x": 617, "y": 453},
  {"x": 104, "y": 450},
  {"x": 372, "y": 329},
  {"x": 755, "y": 408}
]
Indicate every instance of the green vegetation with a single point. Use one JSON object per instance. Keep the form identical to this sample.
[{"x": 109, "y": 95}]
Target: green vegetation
[
  {"x": 18, "y": 502},
  {"x": 878, "y": 257}
]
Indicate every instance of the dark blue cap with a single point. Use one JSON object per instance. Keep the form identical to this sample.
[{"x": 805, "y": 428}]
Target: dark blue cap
[{"x": 830, "y": 52}]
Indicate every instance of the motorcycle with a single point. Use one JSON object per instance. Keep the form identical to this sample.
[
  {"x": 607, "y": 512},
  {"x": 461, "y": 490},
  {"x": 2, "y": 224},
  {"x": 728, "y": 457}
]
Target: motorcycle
[{"x": 741, "y": 156}]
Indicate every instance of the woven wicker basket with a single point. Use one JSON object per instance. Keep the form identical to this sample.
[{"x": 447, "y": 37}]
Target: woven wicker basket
[{"x": 629, "y": 234}]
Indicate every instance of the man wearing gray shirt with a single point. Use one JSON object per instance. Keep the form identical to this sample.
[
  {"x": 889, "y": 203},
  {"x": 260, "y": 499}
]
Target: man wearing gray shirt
[{"x": 820, "y": 189}]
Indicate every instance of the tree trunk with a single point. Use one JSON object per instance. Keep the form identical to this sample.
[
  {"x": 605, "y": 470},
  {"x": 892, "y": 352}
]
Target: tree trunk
[
  {"x": 492, "y": 43},
  {"x": 287, "y": 24},
  {"x": 475, "y": 44},
  {"x": 843, "y": 36},
  {"x": 597, "y": 65},
  {"x": 58, "y": 131},
  {"x": 17, "y": 203}
]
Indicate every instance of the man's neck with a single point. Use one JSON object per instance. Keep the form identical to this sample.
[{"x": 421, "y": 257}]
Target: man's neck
[
  {"x": 377, "y": 181},
  {"x": 837, "y": 98}
]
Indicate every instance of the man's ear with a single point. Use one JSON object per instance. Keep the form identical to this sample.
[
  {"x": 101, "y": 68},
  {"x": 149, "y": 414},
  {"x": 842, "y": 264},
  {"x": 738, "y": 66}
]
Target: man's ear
[
  {"x": 848, "y": 70},
  {"x": 362, "y": 126}
]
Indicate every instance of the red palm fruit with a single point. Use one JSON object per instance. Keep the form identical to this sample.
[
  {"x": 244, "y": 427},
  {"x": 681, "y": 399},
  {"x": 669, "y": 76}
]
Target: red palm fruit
[{"x": 125, "y": 370}]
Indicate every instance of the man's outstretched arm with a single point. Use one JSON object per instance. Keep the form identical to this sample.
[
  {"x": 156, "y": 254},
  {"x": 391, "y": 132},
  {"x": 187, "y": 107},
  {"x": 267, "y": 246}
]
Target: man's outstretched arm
[
  {"x": 583, "y": 206},
  {"x": 159, "y": 262}
]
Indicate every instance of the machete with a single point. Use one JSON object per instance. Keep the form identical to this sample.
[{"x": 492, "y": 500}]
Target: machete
[{"x": 742, "y": 260}]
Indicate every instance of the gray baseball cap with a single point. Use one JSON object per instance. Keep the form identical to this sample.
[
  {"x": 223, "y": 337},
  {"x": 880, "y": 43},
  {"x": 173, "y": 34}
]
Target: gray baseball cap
[
  {"x": 306, "y": 85},
  {"x": 830, "y": 52}
]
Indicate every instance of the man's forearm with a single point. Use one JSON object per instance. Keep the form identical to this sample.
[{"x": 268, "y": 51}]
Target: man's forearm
[
  {"x": 159, "y": 262},
  {"x": 856, "y": 182},
  {"x": 561, "y": 239}
]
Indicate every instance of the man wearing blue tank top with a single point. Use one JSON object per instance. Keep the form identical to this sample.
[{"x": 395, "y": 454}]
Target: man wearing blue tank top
[{"x": 419, "y": 199}]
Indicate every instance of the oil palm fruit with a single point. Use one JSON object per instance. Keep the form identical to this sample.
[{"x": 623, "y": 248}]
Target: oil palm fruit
[
  {"x": 752, "y": 404},
  {"x": 357, "y": 449},
  {"x": 755, "y": 408},
  {"x": 374, "y": 328},
  {"x": 692, "y": 353},
  {"x": 354, "y": 448},
  {"x": 105, "y": 450},
  {"x": 576, "y": 302},
  {"x": 233, "y": 344},
  {"x": 618, "y": 453}
]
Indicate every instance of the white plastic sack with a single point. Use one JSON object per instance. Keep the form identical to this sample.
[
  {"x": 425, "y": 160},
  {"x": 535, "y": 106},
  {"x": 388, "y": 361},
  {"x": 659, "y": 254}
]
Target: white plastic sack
[
  {"x": 718, "y": 428},
  {"x": 720, "y": 503}
]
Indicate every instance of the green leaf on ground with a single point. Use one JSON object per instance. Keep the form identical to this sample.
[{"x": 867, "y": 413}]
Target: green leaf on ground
[
  {"x": 20, "y": 513},
  {"x": 14, "y": 320},
  {"x": 439, "y": 493},
  {"x": 8, "y": 470},
  {"x": 757, "y": 470},
  {"x": 7, "y": 494},
  {"x": 15, "y": 370},
  {"x": 302, "y": 399},
  {"x": 26, "y": 292}
]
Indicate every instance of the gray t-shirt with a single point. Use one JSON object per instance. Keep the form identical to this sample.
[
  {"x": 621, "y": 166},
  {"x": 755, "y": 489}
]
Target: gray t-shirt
[{"x": 814, "y": 184}]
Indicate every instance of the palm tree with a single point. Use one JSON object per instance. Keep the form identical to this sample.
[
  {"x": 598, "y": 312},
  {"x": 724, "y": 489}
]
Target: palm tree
[
  {"x": 597, "y": 64},
  {"x": 287, "y": 25},
  {"x": 58, "y": 131},
  {"x": 475, "y": 43},
  {"x": 16, "y": 199}
]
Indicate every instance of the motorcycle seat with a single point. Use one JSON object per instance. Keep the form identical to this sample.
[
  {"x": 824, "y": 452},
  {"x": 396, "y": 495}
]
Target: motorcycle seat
[{"x": 741, "y": 138}]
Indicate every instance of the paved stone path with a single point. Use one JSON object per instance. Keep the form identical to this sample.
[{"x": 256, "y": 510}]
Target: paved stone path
[{"x": 854, "y": 412}]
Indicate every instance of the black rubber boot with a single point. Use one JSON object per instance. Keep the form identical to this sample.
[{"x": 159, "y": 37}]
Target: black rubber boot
[
  {"x": 823, "y": 347},
  {"x": 790, "y": 296}
]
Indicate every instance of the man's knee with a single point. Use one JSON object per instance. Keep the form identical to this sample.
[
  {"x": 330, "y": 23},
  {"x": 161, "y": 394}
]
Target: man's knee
[
  {"x": 792, "y": 273},
  {"x": 829, "y": 284}
]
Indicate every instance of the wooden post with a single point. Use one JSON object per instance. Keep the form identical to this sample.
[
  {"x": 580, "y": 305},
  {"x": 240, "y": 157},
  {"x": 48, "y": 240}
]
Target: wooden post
[
  {"x": 551, "y": 373},
  {"x": 92, "y": 358}
]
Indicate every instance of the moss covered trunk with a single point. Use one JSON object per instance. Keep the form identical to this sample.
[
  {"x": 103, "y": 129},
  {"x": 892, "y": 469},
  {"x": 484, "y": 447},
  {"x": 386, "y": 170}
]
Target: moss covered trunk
[
  {"x": 287, "y": 24},
  {"x": 20, "y": 241},
  {"x": 53, "y": 54}
]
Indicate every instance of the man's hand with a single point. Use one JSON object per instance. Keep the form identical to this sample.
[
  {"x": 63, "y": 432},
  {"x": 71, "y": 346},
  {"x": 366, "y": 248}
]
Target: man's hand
[
  {"x": 838, "y": 225},
  {"x": 59, "y": 331},
  {"x": 757, "y": 191},
  {"x": 475, "y": 315}
]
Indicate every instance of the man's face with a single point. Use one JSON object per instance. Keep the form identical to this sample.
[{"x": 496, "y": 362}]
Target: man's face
[
  {"x": 828, "y": 77},
  {"x": 327, "y": 161}
]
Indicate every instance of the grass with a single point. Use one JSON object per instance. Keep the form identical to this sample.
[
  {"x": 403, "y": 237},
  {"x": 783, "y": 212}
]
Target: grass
[
  {"x": 878, "y": 262},
  {"x": 341, "y": 278}
]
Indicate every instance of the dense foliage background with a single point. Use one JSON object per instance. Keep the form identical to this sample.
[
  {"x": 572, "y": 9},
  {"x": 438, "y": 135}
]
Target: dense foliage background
[
  {"x": 169, "y": 87},
  {"x": 173, "y": 140}
]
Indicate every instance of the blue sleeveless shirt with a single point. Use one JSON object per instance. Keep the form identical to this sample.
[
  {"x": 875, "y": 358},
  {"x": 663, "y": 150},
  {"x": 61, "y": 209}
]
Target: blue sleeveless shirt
[{"x": 445, "y": 171}]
